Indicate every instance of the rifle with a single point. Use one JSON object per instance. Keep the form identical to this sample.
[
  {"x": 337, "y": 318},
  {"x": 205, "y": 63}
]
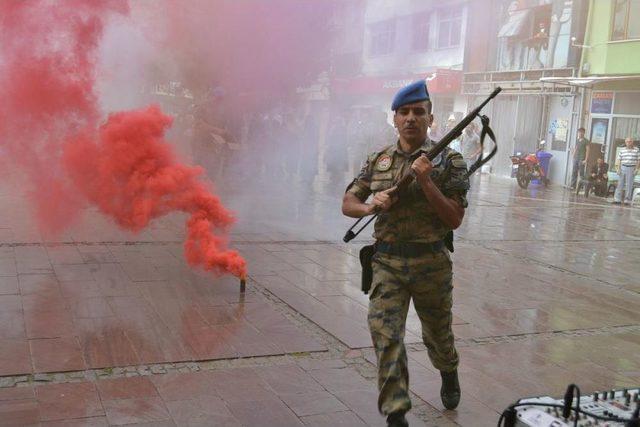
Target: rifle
[{"x": 437, "y": 149}]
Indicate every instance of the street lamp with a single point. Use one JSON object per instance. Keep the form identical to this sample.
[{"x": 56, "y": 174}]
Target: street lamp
[{"x": 582, "y": 46}]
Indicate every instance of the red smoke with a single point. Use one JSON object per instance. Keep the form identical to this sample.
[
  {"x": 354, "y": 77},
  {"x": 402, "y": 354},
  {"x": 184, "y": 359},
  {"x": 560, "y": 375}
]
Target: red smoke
[
  {"x": 131, "y": 174},
  {"x": 46, "y": 81},
  {"x": 48, "y": 121}
]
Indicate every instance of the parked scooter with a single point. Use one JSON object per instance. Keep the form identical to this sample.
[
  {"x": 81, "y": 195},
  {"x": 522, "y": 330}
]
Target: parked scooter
[{"x": 527, "y": 168}]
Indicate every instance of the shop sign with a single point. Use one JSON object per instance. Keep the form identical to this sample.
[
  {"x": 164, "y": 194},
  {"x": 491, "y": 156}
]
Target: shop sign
[
  {"x": 440, "y": 82},
  {"x": 396, "y": 84},
  {"x": 601, "y": 102}
]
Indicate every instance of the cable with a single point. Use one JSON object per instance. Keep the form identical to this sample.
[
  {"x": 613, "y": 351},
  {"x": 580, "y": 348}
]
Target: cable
[{"x": 568, "y": 401}]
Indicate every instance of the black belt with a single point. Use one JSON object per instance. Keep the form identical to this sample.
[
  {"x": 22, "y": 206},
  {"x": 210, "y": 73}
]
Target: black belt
[{"x": 409, "y": 249}]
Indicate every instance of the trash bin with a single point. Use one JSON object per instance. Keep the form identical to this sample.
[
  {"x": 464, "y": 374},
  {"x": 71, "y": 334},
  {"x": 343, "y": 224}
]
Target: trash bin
[{"x": 544, "y": 158}]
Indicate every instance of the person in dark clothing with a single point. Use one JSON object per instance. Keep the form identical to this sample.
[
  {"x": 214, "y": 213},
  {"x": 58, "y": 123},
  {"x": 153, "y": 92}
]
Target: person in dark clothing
[
  {"x": 337, "y": 156},
  {"x": 580, "y": 153},
  {"x": 598, "y": 179}
]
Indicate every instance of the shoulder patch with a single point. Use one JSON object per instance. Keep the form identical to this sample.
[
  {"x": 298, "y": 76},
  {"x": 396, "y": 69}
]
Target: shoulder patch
[
  {"x": 384, "y": 162},
  {"x": 458, "y": 162}
]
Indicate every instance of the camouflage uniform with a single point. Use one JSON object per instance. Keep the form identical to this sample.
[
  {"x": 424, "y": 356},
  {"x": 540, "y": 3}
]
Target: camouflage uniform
[{"x": 397, "y": 279}]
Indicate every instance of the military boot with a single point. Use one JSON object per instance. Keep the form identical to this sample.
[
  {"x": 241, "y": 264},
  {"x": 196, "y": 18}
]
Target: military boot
[
  {"x": 397, "y": 419},
  {"x": 450, "y": 390}
]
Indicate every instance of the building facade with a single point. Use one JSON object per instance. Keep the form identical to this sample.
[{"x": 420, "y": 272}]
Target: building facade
[
  {"x": 610, "y": 75},
  {"x": 404, "y": 41},
  {"x": 518, "y": 45}
]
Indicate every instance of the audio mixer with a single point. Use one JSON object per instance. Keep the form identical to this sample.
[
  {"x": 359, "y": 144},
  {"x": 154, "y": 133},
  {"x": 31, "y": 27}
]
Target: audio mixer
[{"x": 612, "y": 408}]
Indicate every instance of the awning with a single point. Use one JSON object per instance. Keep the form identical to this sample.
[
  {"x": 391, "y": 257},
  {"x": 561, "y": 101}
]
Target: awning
[
  {"x": 515, "y": 25},
  {"x": 593, "y": 82}
]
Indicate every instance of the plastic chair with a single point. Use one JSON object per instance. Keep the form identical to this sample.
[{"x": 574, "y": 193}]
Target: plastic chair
[{"x": 635, "y": 196}]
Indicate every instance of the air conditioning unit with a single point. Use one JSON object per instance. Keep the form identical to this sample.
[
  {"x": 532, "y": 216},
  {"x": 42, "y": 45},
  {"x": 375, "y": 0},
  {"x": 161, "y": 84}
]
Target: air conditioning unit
[{"x": 586, "y": 67}]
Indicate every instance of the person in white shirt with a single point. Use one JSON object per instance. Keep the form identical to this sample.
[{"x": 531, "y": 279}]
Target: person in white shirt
[{"x": 627, "y": 164}]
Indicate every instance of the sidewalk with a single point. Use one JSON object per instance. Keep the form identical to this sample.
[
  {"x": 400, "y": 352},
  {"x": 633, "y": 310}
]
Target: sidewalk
[{"x": 101, "y": 327}]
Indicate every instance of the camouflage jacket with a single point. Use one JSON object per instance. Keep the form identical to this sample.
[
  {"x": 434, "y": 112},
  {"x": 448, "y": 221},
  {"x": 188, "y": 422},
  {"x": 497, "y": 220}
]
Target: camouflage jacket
[{"x": 412, "y": 218}]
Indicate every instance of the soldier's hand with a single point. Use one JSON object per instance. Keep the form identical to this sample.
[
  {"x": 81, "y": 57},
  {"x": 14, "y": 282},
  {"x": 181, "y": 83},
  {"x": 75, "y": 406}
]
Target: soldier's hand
[
  {"x": 383, "y": 200},
  {"x": 422, "y": 167}
]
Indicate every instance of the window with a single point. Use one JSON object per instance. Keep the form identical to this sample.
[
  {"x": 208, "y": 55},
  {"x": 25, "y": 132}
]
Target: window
[
  {"x": 421, "y": 27},
  {"x": 622, "y": 129},
  {"x": 626, "y": 20},
  {"x": 450, "y": 27},
  {"x": 627, "y": 103},
  {"x": 383, "y": 37}
]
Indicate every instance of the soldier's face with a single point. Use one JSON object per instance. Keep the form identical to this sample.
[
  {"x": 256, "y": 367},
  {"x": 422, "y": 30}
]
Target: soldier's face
[{"x": 413, "y": 120}]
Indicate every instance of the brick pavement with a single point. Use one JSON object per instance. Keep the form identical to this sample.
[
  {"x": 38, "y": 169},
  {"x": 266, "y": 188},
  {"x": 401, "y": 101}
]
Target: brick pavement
[{"x": 101, "y": 327}]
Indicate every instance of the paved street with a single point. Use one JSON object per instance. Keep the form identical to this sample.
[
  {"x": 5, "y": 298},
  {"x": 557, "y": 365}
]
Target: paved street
[{"x": 101, "y": 327}]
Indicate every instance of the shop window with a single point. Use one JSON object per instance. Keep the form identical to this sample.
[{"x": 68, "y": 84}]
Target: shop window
[
  {"x": 559, "y": 130},
  {"x": 523, "y": 34},
  {"x": 421, "y": 28},
  {"x": 627, "y": 103},
  {"x": 623, "y": 127},
  {"x": 383, "y": 37},
  {"x": 626, "y": 20},
  {"x": 449, "y": 27}
]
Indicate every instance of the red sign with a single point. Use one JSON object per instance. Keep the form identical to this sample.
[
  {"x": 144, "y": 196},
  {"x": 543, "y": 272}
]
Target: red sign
[
  {"x": 440, "y": 81},
  {"x": 601, "y": 102}
]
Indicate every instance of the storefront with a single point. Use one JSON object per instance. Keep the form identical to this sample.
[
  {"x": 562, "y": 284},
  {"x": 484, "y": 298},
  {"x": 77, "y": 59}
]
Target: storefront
[{"x": 615, "y": 115}]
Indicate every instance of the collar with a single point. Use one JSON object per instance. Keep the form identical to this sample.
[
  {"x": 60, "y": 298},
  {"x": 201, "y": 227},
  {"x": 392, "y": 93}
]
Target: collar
[{"x": 424, "y": 148}]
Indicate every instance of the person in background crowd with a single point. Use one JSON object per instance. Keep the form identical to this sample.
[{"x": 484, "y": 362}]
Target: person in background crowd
[
  {"x": 580, "y": 152},
  {"x": 627, "y": 165},
  {"x": 435, "y": 132},
  {"x": 598, "y": 178},
  {"x": 451, "y": 123},
  {"x": 470, "y": 144},
  {"x": 337, "y": 156}
]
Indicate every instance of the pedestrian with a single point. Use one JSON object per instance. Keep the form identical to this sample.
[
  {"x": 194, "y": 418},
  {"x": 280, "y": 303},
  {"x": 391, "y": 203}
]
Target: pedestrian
[
  {"x": 451, "y": 123},
  {"x": 435, "y": 133},
  {"x": 310, "y": 137},
  {"x": 211, "y": 135},
  {"x": 627, "y": 165},
  {"x": 580, "y": 153},
  {"x": 336, "y": 157},
  {"x": 470, "y": 145},
  {"x": 598, "y": 179},
  {"x": 412, "y": 261}
]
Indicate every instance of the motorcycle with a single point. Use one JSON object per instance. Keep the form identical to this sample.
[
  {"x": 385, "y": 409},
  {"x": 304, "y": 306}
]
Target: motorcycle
[{"x": 527, "y": 167}]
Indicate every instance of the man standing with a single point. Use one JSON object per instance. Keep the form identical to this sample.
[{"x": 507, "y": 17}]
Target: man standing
[
  {"x": 580, "y": 153},
  {"x": 411, "y": 260},
  {"x": 470, "y": 142},
  {"x": 627, "y": 164},
  {"x": 211, "y": 136}
]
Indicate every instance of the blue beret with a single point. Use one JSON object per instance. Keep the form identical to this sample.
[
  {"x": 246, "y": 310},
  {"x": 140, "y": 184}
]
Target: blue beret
[{"x": 415, "y": 92}]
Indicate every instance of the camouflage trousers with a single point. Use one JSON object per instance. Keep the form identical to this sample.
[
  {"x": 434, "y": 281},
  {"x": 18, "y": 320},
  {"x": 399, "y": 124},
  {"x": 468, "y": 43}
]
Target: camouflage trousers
[{"x": 396, "y": 281}]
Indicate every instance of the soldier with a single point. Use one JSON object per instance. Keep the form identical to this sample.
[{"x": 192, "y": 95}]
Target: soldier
[{"x": 411, "y": 260}]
